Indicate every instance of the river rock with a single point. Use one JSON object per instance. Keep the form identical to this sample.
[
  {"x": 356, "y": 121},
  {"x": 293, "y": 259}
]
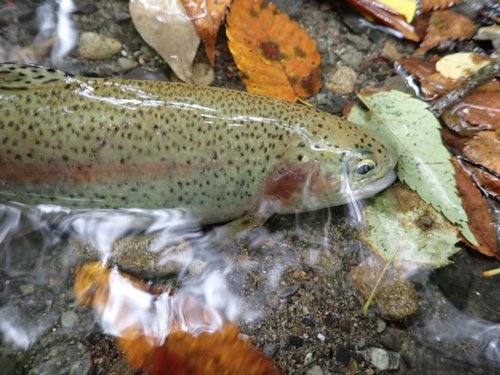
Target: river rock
[
  {"x": 342, "y": 81},
  {"x": 395, "y": 298},
  {"x": 92, "y": 46},
  {"x": 382, "y": 359}
]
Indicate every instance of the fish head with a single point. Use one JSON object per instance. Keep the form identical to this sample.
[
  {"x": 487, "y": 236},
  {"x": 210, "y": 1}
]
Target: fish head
[{"x": 333, "y": 165}]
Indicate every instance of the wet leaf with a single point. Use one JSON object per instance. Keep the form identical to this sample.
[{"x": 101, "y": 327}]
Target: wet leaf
[
  {"x": 407, "y": 8},
  {"x": 484, "y": 149},
  {"x": 207, "y": 16},
  {"x": 166, "y": 26},
  {"x": 276, "y": 57},
  {"x": 424, "y": 162},
  {"x": 480, "y": 110},
  {"x": 446, "y": 25},
  {"x": 163, "y": 332},
  {"x": 461, "y": 65},
  {"x": 476, "y": 206},
  {"x": 402, "y": 225},
  {"x": 386, "y": 16},
  {"x": 426, "y": 5}
]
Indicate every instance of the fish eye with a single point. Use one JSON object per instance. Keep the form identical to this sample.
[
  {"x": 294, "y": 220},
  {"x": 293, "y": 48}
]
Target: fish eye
[{"x": 365, "y": 167}]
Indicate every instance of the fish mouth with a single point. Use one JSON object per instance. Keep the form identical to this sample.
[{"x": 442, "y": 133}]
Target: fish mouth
[{"x": 377, "y": 186}]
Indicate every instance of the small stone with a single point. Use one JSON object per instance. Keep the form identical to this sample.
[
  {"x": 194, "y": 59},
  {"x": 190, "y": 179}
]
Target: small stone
[
  {"x": 121, "y": 16},
  {"x": 345, "y": 326},
  {"x": 27, "y": 289},
  {"x": 292, "y": 8},
  {"x": 391, "y": 339},
  {"x": 69, "y": 319},
  {"x": 380, "y": 325},
  {"x": 120, "y": 368},
  {"x": 272, "y": 301},
  {"x": 315, "y": 370},
  {"x": 342, "y": 81},
  {"x": 309, "y": 322},
  {"x": 296, "y": 341},
  {"x": 297, "y": 274},
  {"x": 358, "y": 41},
  {"x": 127, "y": 64},
  {"x": 382, "y": 359},
  {"x": 321, "y": 337},
  {"x": 92, "y": 46},
  {"x": 490, "y": 33},
  {"x": 197, "y": 267},
  {"x": 287, "y": 291},
  {"x": 308, "y": 359},
  {"x": 390, "y": 51},
  {"x": 86, "y": 7},
  {"x": 203, "y": 74},
  {"x": 270, "y": 349},
  {"x": 343, "y": 355}
]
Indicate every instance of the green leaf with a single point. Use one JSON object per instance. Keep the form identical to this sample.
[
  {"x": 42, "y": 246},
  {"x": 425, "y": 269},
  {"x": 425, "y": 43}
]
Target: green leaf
[
  {"x": 402, "y": 225},
  {"x": 424, "y": 163}
]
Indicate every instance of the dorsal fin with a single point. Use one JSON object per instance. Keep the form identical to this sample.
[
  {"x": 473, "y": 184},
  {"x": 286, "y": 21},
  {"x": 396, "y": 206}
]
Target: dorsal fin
[{"x": 24, "y": 76}]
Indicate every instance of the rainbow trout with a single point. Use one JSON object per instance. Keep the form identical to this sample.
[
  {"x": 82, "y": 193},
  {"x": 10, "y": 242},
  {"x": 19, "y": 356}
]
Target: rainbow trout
[{"x": 219, "y": 153}]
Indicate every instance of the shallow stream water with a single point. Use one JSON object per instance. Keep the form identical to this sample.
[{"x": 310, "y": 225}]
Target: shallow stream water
[{"x": 287, "y": 284}]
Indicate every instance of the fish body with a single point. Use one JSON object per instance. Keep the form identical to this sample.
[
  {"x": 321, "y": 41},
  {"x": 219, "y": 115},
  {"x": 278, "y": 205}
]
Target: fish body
[{"x": 219, "y": 153}]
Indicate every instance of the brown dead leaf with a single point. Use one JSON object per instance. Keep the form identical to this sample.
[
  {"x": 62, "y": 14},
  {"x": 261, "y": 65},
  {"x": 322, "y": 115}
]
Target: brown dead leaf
[
  {"x": 386, "y": 16},
  {"x": 446, "y": 25},
  {"x": 275, "y": 55},
  {"x": 484, "y": 149},
  {"x": 476, "y": 207},
  {"x": 426, "y": 5},
  {"x": 207, "y": 16},
  {"x": 481, "y": 110},
  {"x": 217, "y": 351}
]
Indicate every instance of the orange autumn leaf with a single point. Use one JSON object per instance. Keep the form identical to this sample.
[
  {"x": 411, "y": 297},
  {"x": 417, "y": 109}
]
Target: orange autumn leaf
[
  {"x": 217, "y": 350},
  {"x": 476, "y": 207},
  {"x": 207, "y": 16},
  {"x": 276, "y": 57},
  {"x": 446, "y": 25},
  {"x": 426, "y": 5},
  {"x": 480, "y": 109}
]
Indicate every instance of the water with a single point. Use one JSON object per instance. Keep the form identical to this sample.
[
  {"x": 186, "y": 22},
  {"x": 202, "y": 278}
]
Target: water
[{"x": 286, "y": 284}]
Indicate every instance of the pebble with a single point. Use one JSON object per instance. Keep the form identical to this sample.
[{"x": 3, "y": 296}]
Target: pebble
[
  {"x": 202, "y": 75},
  {"x": 296, "y": 341},
  {"x": 309, "y": 358},
  {"x": 321, "y": 337},
  {"x": 127, "y": 64},
  {"x": 391, "y": 338},
  {"x": 342, "y": 81},
  {"x": 270, "y": 349},
  {"x": 92, "y": 46},
  {"x": 272, "y": 301},
  {"x": 358, "y": 41},
  {"x": 382, "y": 359},
  {"x": 345, "y": 326},
  {"x": 490, "y": 33},
  {"x": 121, "y": 16},
  {"x": 380, "y": 325},
  {"x": 292, "y": 8},
  {"x": 69, "y": 319},
  {"x": 390, "y": 51},
  {"x": 315, "y": 370},
  {"x": 27, "y": 289},
  {"x": 287, "y": 291}
]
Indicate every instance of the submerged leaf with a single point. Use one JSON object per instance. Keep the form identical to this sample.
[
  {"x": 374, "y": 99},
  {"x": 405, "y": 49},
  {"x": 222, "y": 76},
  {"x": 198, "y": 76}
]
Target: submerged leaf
[
  {"x": 476, "y": 206},
  {"x": 480, "y": 110},
  {"x": 166, "y": 26},
  {"x": 407, "y": 8},
  {"x": 275, "y": 55},
  {"x": 461, "y": 65},
  {"x": 446, "y": 25},
  {"x": 166, "y": 333},
  {"x": 207, "y": 16},
  {"x": 403, "y": 226},
  {"x": 484, "y": 149},
  {"x": 424, "y": 162}
]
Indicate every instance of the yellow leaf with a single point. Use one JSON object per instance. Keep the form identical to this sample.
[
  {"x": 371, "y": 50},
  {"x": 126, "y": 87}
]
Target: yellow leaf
[
  {"x": 275, "y": 55},
  {"x": 461, "y": 65},
  {"x": 407, "y": 8}
]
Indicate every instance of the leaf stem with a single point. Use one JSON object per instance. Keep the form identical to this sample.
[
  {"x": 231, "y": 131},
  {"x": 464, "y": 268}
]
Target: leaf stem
[
  {"x": 454, "y": 96},
  {"x": 491, "y": 272},
  {"x": 372, "y": 294}
]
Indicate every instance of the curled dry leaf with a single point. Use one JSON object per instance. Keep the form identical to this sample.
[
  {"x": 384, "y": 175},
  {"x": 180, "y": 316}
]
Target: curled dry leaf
[
  {"x": 166, "y": 26},
  {"x": 275, "y": 55},
  {"x": 476, "y": 206},
  {"x": 386, "y": 16},
  {"x": 484, "y": 149},
  {"x": 166, "y": 333},
  {"x": 407, "y": 8},
  {"x": 446, "y": 25},
  {"x": 426, "y": 5},
  {"x": 207, "y": 16}
]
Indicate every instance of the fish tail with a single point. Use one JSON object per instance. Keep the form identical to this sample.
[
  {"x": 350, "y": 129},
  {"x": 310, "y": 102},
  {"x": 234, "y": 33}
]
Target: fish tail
[{"x": 24, "y": 76}]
